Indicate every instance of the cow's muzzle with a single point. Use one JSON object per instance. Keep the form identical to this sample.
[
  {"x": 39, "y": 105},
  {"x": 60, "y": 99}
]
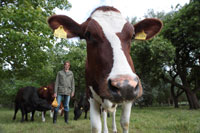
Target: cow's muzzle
[{"x": 124, "y": 88}]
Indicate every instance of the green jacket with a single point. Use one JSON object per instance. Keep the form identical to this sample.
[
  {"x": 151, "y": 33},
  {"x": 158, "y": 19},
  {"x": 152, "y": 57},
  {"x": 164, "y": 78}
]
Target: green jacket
[{"x": 64, "y": 83}]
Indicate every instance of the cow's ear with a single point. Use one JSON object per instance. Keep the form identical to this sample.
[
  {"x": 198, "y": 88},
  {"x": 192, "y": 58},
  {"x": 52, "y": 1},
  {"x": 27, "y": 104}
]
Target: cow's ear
[
  {"x": 147, "y": 28},
  {"x": 72, "y": 28}
]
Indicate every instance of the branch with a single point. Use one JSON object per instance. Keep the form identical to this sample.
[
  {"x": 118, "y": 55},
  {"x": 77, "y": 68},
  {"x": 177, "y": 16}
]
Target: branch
[
  {"x": 180, "y": 93},
  {"x": 174, "y": 83}
]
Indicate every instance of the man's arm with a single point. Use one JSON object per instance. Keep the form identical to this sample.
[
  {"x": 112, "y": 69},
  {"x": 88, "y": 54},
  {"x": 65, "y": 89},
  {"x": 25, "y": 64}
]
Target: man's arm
[
  {"x": 56, "y": 85},
  {"x": 73, "y": 86}
]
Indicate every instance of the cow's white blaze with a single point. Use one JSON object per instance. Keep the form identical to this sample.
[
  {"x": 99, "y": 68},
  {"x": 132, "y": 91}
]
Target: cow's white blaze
[{"x": 112, "y": 22}]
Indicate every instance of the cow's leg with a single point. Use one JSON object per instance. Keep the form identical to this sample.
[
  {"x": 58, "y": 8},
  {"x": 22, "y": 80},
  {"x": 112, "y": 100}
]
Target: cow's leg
[
  {"x": 22, "y": 112},
  {"x": 95, "y": 117},
  {"x": 126, "y": 112},
  {"x": 32, "y": 117},
  {"x": 114, "y": 127},
  {"x": 16, "y": 110},
  {"x": 105, "y": 127},
  {"x": 31, "y": 114},
  {"x": 85, "y": 114},
  {"x": 51, "y": 113},
  {"x": 26, "y": 116},
  {"x": 43, "y": 116}
]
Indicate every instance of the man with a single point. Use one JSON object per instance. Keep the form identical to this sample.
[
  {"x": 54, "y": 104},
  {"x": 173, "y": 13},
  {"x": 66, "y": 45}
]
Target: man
[{"x": 64, "y": 88}]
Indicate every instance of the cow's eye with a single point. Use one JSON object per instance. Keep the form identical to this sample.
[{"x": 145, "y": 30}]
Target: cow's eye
[
  {"x": 133, "y": 37},
  {"x": 88, "y": 35}
]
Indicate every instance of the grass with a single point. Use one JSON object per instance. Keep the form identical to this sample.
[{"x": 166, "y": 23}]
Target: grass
[{"x": 143, "y": 120}]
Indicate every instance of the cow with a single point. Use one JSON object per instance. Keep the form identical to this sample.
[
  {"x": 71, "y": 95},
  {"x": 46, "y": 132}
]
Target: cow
[
  {"x": 47, "y": 92},
  {"x": 27, "y": 100},
  {"x": 110, "y": 74},
  {"x": 80, "y": 106}
]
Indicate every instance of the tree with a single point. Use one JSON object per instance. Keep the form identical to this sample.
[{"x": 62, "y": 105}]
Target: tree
[
  {"x": 25, "y": 36},
  {"x": 182, "y": 29},
  {"x": 77, "y": 56},
  {"x": 25, "y": 44},
  {"x": 150, "y": 59}
]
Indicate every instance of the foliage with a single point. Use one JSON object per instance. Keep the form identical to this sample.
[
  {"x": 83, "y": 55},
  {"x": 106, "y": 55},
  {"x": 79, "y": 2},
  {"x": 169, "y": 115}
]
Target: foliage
[
  {"x": 184, "y": 35},
  {"x": 150, "y": 59},
  {"x": 25, "y": 35},
  {"x": 10, "y": 87},
  {"x": 75, "y": 52},
  {"x": 30, "y": 55},
  {"x": 174, "y": 54},
  {"x": 25, "y": 44},
  {"x": 182, "y": 29},
  {"x": 77, "y": 57}
]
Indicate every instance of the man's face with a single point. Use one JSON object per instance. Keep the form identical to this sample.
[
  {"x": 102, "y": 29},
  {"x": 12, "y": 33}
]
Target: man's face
[{"x": 67, "y": 66}]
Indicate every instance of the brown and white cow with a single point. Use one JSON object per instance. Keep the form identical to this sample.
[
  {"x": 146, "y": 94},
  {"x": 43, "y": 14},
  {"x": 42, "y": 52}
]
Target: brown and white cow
[
  {"x": 47, "y": 92},
  {"x": 110, "y": 73}
]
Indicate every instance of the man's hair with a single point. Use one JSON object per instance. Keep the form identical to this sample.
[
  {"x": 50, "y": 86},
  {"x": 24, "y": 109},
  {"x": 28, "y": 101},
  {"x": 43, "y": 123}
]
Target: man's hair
[{"x": 67, "y": 62}]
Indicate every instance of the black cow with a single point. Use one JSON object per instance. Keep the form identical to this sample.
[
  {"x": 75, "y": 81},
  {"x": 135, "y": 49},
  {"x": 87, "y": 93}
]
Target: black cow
[
  {"x": 27, "y": 100},
  {"x": 82, "y": 105}
]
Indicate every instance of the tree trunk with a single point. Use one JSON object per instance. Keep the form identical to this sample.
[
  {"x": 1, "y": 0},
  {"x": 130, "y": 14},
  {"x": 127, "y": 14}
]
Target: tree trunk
[
  {"x": 176, "y": 102},
  {"x": 192, "y": 99},
  {"x": 175, "y": 98}
]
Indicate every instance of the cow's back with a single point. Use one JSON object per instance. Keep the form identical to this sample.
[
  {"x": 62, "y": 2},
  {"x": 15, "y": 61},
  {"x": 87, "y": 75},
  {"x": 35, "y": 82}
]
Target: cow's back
[{"x": 25, "y": 94}]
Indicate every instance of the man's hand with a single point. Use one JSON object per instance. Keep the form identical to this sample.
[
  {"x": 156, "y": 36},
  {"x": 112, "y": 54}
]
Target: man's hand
[
  {"x": 55, "y": 95},
  {"x": 72, "y": 94}
]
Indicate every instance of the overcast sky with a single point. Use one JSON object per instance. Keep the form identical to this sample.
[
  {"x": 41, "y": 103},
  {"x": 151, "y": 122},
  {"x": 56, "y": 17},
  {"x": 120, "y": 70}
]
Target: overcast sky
[{"x": 81, "y": 9}]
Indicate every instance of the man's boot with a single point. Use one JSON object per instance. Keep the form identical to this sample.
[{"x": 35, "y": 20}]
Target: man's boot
[
  {"x": 66, "y": 116},
  {"x": 55, "y": 116}
]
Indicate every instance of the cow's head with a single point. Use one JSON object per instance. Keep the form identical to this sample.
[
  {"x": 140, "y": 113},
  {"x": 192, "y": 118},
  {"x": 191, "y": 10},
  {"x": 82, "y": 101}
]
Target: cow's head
[
  {"x": 42, "y": 105},
  {"x": 78, "y": 109},
  {"x": 47, "y": 92},
  {"x": 109, "y": 70}
]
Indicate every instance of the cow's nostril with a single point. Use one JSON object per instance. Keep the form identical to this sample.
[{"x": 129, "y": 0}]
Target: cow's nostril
[{"x": 114, "y": 89}]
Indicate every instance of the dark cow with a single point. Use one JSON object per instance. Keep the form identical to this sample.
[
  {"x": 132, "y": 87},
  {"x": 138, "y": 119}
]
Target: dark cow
[
  {"x": 80, "y": 106},
  {"x": 47, "y": 92},
  {"x": 110, "y": 73},
  {"x": 27, "y": 100}
]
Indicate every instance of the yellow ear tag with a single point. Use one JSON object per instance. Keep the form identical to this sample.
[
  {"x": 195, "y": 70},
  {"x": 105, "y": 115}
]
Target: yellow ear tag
[
  {"x": 45, "y": 88},
  {"x": 60, "y": 33},
  {"x": 141, "y": 35}
]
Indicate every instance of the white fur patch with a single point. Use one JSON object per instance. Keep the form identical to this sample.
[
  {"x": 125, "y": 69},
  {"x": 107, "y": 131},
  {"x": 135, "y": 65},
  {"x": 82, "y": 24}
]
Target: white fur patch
[
  {"x": 43, "y": 117},
  {"x": 125, "y": 116},
  {"x": 112, "y": 22},
  {"x": 106, "y": 104},
  {"x": 96, "y": 97},
  {"x": 95, "y": 117}
]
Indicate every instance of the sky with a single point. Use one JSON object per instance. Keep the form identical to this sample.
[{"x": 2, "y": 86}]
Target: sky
[{"x": 81, "y": 9}]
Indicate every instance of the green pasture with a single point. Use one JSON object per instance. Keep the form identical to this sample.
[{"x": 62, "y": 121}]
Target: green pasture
[{"x": 143, "y": 120}]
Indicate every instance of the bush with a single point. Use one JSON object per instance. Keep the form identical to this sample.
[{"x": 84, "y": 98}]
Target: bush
[{"x": 9, "y": 89}]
